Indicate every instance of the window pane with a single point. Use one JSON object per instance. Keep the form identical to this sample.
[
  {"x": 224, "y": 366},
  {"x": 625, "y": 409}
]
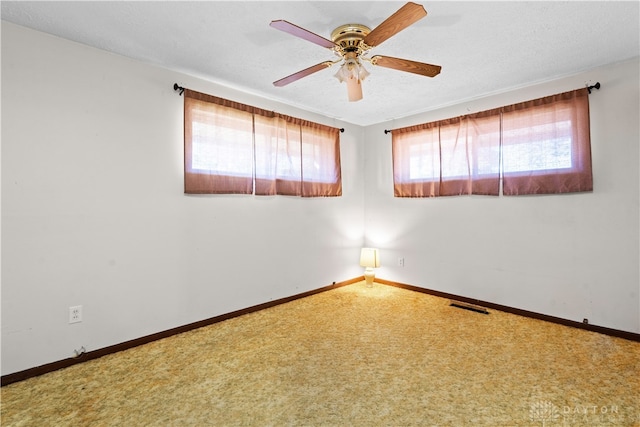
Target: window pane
[
  {"x": 221, "y": 140},
  {"x": 455, "y": 159},
  {"x": 220, "y": 150},
  {"x": 538, "y": 148},
  {"x": 419, "y": 151},
  {"x": 423, "y": 165}
]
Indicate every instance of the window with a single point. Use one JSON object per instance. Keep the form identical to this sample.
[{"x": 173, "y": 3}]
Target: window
[
  {"x": 221, "y": 142},
  {"x": 235, "y": 148},
  {"x": 546, "y": 145},
  {"x": 541, "y": 146},
  {"x": 551, "y": 152},
  {"x": 449, "y": 157}
]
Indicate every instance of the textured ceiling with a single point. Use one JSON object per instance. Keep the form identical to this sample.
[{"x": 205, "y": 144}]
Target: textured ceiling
[{"x": 483, "y": 47}]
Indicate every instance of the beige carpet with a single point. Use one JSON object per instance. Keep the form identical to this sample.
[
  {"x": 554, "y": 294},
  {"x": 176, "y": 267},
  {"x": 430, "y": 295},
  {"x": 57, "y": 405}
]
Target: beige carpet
[{"x": 352, "y": 356}]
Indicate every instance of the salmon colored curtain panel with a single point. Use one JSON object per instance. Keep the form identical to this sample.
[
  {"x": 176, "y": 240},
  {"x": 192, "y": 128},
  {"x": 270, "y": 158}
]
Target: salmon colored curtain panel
[
  {"x": 556, "y": 133},
  {"x": 297, "y": 158},
  {"x": 449, "y": 157},
  {"x": 416, "y": 161},
  {"x": 212, "y": 166},
  {"x": 233, "y": 148},
  {"x": 538, "y": 147}
]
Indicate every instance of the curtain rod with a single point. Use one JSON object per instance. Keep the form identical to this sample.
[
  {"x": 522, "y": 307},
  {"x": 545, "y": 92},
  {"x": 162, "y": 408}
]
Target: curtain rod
[
  {"x": 181, "y": 89},
  {"x": 595, "y": 86},
  {"x": 176, "y": 87}
]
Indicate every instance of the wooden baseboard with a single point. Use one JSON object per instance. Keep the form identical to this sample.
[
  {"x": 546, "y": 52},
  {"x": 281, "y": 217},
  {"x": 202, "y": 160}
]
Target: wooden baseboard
[
  {"x": 54, "y": 366},
  {"x": 586, "y": 326}
]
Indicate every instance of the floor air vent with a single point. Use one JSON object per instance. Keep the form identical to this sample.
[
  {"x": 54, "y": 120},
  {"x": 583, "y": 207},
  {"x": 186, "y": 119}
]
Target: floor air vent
[{"x": 468, "y": 306}]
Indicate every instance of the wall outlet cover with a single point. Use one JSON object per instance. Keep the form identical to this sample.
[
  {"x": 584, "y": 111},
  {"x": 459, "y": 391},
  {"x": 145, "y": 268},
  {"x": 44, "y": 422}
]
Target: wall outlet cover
[{"x": 75, "y": 314}]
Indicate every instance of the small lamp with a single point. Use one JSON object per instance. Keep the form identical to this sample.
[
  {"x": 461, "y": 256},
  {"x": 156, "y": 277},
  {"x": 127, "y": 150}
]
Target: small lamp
[{"x": 370, "y": 259}]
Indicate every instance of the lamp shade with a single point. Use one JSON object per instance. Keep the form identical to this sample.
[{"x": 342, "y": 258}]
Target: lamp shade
[
  {"x": 369, "y": 257},
  {"x": 354, "y": 89},
  {"x": 353, "y": 73}
]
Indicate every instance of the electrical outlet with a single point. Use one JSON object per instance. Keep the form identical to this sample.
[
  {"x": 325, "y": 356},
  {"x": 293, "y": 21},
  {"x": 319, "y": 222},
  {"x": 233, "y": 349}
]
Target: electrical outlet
[
  {"x": 400, "y": 262},
  {"x": 75, "y": 314}
]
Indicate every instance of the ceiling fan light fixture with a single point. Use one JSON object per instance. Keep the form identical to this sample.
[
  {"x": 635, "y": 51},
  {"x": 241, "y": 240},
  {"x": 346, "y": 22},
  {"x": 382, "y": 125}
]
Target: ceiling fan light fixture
[
  {"x": 353, "y": 73},
  {"x": 342, "y": 75},
  {"x": 354, "y": 89},
  {"x": 352, "y": 43},
  {"x": 362, "y": 73},
  {"x": 349, "y": 68}
]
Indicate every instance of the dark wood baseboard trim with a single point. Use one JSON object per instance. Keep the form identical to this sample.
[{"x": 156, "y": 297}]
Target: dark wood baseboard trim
[
  {"x": 54, "y": 366},
  {"x": 589, "y": 327}
]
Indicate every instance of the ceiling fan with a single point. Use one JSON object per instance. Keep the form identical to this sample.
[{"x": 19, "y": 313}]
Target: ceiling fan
[{"x": 352, "y": 42}]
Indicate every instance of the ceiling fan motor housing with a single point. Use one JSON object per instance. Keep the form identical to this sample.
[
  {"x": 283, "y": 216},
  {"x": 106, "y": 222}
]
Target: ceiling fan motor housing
[{"x": 350, "y": 38}]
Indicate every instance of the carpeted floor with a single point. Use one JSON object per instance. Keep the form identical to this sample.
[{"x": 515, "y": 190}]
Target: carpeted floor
[{"x": 352, "y": 356}]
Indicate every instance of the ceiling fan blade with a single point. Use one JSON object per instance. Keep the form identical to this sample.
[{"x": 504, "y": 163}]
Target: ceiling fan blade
[
  {"x": 294, "y": 30},
  {"x": 303, "y": 73},
  {"x": 405, "y": 16},
  {"x": 421, "y": 68}
]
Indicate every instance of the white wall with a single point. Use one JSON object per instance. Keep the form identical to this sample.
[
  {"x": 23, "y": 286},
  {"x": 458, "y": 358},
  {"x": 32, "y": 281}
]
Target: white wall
[
  {"x": 571, "y": 256},
  {"x": 93, "y": 210}
]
